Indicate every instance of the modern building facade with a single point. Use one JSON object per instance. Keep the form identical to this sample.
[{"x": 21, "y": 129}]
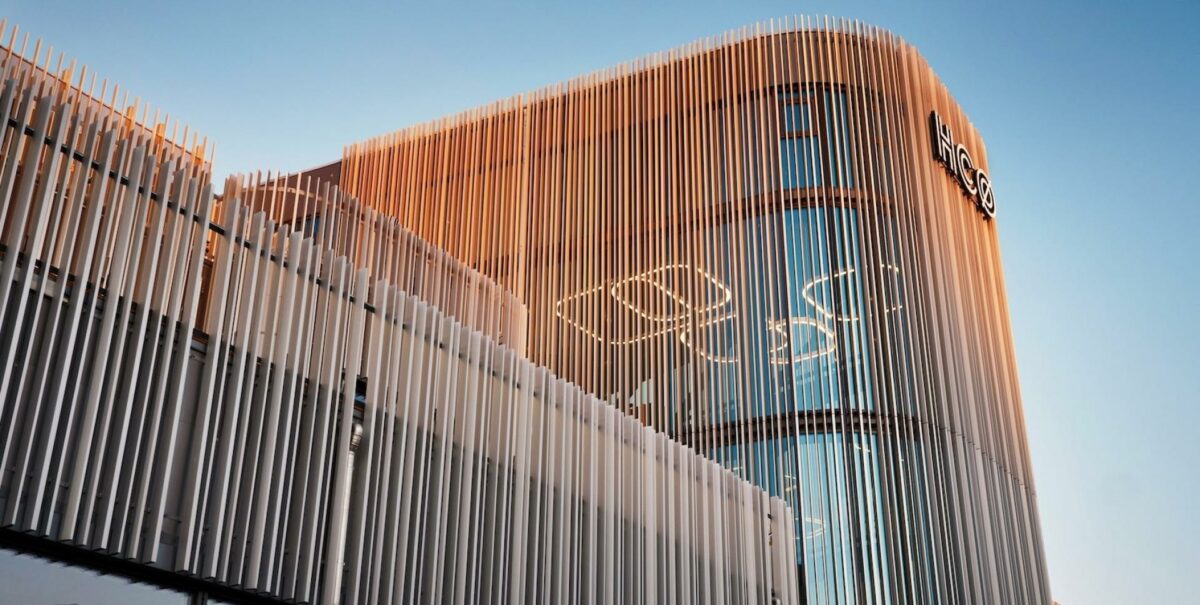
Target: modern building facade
[
  {"x": 282, "y": 395},
  {"x": 779, "y": 248}
]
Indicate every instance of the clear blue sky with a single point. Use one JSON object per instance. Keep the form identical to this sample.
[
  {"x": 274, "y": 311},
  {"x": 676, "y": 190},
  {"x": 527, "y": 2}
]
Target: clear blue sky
[{"x": 1088, "y": 110}]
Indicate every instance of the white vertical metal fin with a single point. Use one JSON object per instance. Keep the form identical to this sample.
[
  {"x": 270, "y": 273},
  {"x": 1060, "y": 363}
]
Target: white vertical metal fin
[{"x": 287, "y": 391}]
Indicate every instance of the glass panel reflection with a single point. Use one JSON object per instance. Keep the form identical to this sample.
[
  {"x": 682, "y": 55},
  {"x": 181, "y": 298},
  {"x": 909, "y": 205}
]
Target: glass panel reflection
[
  {"x": 840, "y": 487},
  {"x": 29, "y": 580}
]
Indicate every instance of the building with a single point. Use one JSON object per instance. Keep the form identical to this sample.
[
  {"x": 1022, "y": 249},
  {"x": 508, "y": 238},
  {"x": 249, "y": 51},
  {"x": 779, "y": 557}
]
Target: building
[
  {"x": 779, "y": 248},
  {"x": 724, "y": 324},
  {"x": 284, "y": 396}
]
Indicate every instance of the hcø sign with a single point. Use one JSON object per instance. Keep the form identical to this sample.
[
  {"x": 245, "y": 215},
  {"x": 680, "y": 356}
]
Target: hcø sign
[{"x": 958, "y": 162}]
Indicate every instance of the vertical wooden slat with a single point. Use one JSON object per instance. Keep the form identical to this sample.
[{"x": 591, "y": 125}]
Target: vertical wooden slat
[{"x": 862, "y": 367}]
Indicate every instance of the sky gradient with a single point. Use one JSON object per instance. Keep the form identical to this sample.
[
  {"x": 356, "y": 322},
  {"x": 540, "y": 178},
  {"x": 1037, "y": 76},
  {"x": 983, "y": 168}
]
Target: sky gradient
[{"x": 1088, "y": 112}]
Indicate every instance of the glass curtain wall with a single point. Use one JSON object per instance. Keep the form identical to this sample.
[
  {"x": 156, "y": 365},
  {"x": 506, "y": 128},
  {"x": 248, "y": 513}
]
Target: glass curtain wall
[{"x": 811, "y": 305}]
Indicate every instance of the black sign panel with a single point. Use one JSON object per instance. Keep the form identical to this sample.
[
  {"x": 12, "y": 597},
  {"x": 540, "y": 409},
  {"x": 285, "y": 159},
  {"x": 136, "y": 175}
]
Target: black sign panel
[{"x": 957, "y": 161}]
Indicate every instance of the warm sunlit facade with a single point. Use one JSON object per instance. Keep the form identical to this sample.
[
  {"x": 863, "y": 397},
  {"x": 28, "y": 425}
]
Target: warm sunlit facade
[{"x": 778, "y": 247}]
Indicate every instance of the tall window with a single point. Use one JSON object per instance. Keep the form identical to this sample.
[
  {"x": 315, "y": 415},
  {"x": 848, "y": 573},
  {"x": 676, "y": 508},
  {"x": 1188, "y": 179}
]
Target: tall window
[
  {"x": 799, "y": 151},
  {"x": 814, "y": 148}
]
